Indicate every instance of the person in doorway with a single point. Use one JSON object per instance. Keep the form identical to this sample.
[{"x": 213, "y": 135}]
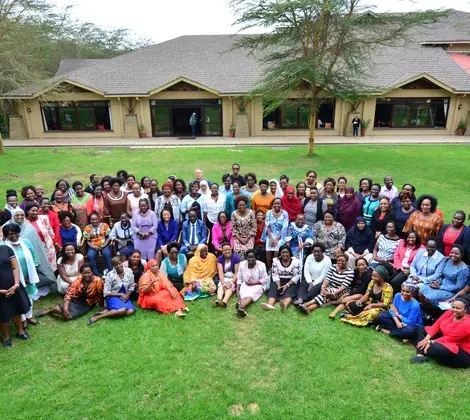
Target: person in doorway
[
  {"x": 356, "y": 123},
  {"x": 193, "y": 124}
]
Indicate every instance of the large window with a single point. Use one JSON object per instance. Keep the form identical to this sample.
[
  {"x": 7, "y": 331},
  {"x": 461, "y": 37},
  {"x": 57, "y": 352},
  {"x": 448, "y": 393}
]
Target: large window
[
  {"x": 78, "y": 116},
  {"x": 293, "y": 116},
  {"x": 411, "y": 112}
]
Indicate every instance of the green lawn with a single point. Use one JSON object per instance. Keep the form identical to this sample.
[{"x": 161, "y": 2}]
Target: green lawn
[{"x": 213, "y": 365}]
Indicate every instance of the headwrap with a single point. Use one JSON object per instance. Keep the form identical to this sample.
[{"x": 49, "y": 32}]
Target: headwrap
[
  {"x": 412, "y": 286},
  {"x": 201, "y": 269},
  {"x": 383, "y": 272},
  {"x": 279, "y": 192},
  {"x": 292, "y": 206},
  {"x": 349, "y": 209},
  {"x": 360, "y": 240},
  {"x": 150, "y": 263},
  {"x": 208, "y": 190}
]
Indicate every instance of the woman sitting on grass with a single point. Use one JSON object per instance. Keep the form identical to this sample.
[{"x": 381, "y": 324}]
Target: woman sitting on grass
[
  {"x": 199, "y": 275},
  {"x": 227, "y": 266},
  {"x": 82, "y": 296}
]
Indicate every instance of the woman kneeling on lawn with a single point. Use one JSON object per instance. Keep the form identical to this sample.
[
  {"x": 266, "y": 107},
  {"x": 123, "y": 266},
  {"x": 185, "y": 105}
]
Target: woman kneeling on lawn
[
  {"x": 157, "y": 292},
  {"x": 82, "y": 296},
  {"x": 118, "y": 287}
]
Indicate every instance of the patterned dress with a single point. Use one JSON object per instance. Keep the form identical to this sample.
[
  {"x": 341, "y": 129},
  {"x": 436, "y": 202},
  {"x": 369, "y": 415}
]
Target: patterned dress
[
  {"x": 336, "y": 279},
  {"x": 244, "y": 227},
  {"x": 79, "y": 206},
  {"x": 297, "y": 236},
  {"x": 278, "y": 227},
  {"x": 144, "y": 224},
  {"x": 333, "y": 239},
  {"x": 283, "y": 274},
  {"x": 46, "y": 235},
  {"x": 426, "y": 227},
  {"x": 387, "y": 247},
  {"x": 248, "y": 277}
]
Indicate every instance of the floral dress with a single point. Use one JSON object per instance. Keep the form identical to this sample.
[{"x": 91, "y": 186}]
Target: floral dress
[
  {"x": 245, "y": 227},
  {"x": 79, "y": 206},
  {"x": 278, "y": 227},
  {"x": 333, "y": 239}
]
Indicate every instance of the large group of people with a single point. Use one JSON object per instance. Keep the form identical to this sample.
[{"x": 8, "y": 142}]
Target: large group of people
[{"x": 378, "y": 256}]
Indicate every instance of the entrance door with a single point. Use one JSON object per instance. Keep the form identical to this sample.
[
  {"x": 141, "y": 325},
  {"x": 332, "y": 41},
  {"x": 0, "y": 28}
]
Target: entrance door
[
  {"x": 180, "y": 118},
  {"x": 212, "y": 121}
]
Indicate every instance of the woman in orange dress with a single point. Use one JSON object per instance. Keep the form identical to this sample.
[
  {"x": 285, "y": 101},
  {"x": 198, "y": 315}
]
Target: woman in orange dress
[
  {"x": 157, "y": 292},
  {"x": 425, "y": 220}
]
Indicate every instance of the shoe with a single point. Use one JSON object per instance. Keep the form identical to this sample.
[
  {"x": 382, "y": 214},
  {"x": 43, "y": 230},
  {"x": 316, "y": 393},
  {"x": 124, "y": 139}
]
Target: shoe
[
  {"x": 241, "y": 313},
  {"x": 215, "y": 303},
  {"x": 343, "y": 314},
  {"x": 24, "y": 336},
  {"x": 267, "y": 307},
  {"x": 302, "y": 308},
  {"x": 90, "y": 321},
  {"x": 419, "y": 359},
  {"x": 378, "y": 328},
  {"x": 32, "y": 321},
  {"x": 283, "y": 306},
  {"x": 222, "y": 303},
  {"x": 185, "y": 309},
  {"x": 6, "y": 343},
  {"x": 237, "y": 306},
  {"x": 297, "y": 302},
  {"x": 39, "y": 314}
]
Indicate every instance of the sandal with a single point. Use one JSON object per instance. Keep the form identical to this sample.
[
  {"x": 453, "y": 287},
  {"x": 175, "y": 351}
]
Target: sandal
[
  {"x": 39, "y": 314},
  {"x": 90, "y": 321},
  {"x": 185, "y": 309},
  {"x": 241, "y": 313},
  {"x": 378, "y": 328},
  {"x": 180, "y": 315},
  {"x": 302, "y": 308},
  {"x": 283, "y": 306},
  {"x": 222, "y": 303},
  {"x": 419, "y": 359}
]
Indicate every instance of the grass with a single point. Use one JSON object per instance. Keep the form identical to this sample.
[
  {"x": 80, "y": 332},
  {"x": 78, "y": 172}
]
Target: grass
[{"x": 213, "y": 365}]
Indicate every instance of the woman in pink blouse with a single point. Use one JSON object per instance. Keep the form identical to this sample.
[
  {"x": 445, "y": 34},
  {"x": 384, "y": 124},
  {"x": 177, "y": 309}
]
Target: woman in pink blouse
[{"x": 222, "y": 232}]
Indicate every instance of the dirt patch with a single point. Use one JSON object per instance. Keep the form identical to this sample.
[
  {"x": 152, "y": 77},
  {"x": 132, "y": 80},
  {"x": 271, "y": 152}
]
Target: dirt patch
[
  {"x": 236, "y": 410},
  {"x": 254, "y": 408},
  {"x": 8, "y": 177}
]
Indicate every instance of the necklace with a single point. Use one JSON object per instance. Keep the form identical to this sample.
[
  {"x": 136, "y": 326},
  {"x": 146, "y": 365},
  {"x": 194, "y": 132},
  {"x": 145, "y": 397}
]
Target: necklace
[{"x": 116, "y": 198}]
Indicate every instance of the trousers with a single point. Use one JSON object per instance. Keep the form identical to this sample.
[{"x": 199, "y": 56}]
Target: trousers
[{"x": 386, "y": 321}]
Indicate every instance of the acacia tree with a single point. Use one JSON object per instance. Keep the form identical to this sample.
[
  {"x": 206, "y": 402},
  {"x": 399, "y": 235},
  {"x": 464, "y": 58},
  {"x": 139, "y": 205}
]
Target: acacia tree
[{"x": 317, "y": 48}]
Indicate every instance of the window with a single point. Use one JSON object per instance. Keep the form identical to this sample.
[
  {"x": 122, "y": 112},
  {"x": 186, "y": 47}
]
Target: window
[
  {"x": 78, "y": 116},
  {"x": 411, "y": 112},
  {"x": 294, "y": 116}
]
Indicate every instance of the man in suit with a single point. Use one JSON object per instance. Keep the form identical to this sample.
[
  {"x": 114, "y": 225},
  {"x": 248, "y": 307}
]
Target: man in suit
[{"x": 194, "y": 233}]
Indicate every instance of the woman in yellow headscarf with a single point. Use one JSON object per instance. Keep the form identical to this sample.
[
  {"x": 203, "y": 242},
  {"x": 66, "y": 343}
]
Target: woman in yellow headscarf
[{"x": 199, "y": 275}]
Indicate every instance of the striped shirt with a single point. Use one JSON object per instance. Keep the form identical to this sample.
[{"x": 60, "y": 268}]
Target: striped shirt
[
  {"x": 336, "y": 280},
  {"x": 387, "y": 247}
]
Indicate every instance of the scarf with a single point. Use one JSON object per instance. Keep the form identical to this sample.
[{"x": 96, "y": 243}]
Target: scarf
[
  {"x": 32, "y": 273},
  {"x": 279, "y": 192},
  {"x": 292, "y": 206},
  {"x": 201, "y": 269},
  {"x": 208, "y": 192},
  {"x": 349, "y": 208},
  {"x": 358, "y": 239}
]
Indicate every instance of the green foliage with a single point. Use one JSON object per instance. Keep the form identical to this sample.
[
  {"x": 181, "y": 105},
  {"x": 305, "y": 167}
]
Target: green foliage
[
  {"x": 365, "y": 124},
  {"x": 462, "y": 125}
]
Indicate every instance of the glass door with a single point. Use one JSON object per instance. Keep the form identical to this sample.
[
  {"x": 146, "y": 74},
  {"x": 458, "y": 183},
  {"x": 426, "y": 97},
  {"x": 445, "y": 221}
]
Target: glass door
[
  {"x": 212, "y": 121},
  {"x": 161, "y": 121}
]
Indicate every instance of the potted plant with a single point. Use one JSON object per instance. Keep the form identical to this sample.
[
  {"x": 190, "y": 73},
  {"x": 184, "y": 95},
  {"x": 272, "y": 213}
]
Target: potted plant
[
  {"x": 461, "y": 128},
  {"x": 231, "y": 131},
  {"x": 142, "y": 131},
  {"x": 364, "y": 127},
  {"x": 271, "y": 125}
]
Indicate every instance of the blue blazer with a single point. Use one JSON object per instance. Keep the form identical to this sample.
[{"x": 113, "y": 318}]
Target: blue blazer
[
  {"x": 463, "y": 239},
  {"x": 201, "y": 232},
  {"x": 166, "y": 236}
]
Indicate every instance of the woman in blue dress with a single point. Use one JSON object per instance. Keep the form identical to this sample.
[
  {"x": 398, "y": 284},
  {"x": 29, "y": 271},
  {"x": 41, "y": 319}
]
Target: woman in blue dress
[
  {"x": 298, "y": 237},
  {"x": 275, "y": 230},
  {"x": 455, "y": 276},
  {"x": 118, "y": 287},
  {"x": 174, "y": 265},
  {"x": 167, "y": 232}
]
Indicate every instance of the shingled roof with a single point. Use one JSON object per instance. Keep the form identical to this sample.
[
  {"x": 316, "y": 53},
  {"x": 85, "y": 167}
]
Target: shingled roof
[{"x": 209, "y": 61}]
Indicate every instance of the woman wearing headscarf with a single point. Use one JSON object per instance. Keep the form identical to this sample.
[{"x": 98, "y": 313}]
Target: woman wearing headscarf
[
  {"x": 360, "y": 241},
  {"x": 156, "y": 292},
  {"x": 291, "y": 203},
  {"x": 377, "y": 299},
  {"x": 199, "y": 275},
  {"x": 349, "y": 209},
  {"x": 204, "y": 189},
  {"x": 275, "y": 188}
]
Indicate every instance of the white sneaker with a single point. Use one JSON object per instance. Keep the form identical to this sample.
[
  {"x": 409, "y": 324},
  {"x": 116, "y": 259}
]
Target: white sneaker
[{"x": 267, "y": 307}]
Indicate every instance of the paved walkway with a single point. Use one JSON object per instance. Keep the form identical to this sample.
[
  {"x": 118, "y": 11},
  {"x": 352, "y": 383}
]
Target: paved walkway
[{"x": 173, "y": 142}]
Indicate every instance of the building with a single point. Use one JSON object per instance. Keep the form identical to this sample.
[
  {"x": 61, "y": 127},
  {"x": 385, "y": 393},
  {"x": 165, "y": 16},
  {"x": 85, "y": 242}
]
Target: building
[{"x": 422, "y": 88}]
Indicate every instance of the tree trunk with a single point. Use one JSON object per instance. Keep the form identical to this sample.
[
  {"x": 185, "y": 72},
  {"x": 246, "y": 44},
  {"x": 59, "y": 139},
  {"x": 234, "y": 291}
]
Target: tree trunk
[
  {"x": 311, "y": 136},
  {"x": 1, "y": 145}
]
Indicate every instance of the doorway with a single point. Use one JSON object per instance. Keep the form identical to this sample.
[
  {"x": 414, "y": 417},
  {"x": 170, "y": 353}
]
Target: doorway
[{"x": 180, "y": 119}]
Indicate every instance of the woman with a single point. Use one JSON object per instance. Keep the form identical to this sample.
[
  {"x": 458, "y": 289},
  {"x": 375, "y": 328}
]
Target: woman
[
  {"x": 298, "y": 237},
  {"x": 46, "y": 234},
  {"x": 290, "y": 203},
  {"x": 313, "y": 208},
  {"x": 156, "y": 292},
  {"x": 451, "y": 344},
  {"x": 168, "y": 201},
  {"x": 386, "y": 245},
  {"x": 404, "y": 316},
  {"x": 83, "y": 295},
  {"x": 275, "y": 230},
  {"x": 284, "y": 182},
  {"x": 349, "y": 208},
  {"x": 145, "y": 224},
  {"x": 403, "y": 258},
  {"x": 455, "y": 277},
  {"x": 118, "y": 287},
  {"x": 411, "y": 190},
  {"x": 331, "y": 234},
  {"x": 455, "y": 233},
  {"x": 116, "y": 203},
  {"x": 69, "y": 233},
  {"x": 145, "y": 182},
  {"x": 193, "y": 201},
  {"x": 381, "y": 216},
  {"x": 342, "y": 185},
  {"x": 174, "y": 265},
  {"x": 11, "y": 205},
  {"x": 227, "y": 268},
  {"x": 232, "y": 196},
  {"x": 365, "y": 185},
  {"x": 250, "y": 187},
  {"x": 60, "y": 205},
  {"x": 213, "y": 205},
  {"x": 337, "y": 284},
  {"x": 68, "y": 267},
  {"x": 300, "y": 191},
  {"x": 13, "y": 298},
  {"x": 106, "y": 184},
  {"x": 167, "y": 232},
  {"x": 402, "y": 210},
  {"x": 121, "y": 237},
  {"x": 79, "y": 203},
  {"x": 222, "y": 232},
  {"x": 425, "y": 221},
  {"x": 154, "y": 193},
  {"x": 371, "y": 202},
  {"x": 260, "y": 246},
  {"x": 243, "y": 227},
  {"x": 29, "y": 197},
  {"x": 95, "y": 203},
  {"x": 286, "y": 273},
  {"x": 377, "y": 299},
  {"x": 204, "y": 189},
  {"x": 361, "y": 280},
  {"x": 135, "y": 196},
  {"x": 275, "y": 189},
  {"x": 262, "y": 199},
  {"x": 360, "y": 241},
  {"x": 199, "y": 275},
  {"x": 64, "y": 187},
  {"x": 97, "y": 239},
  {"x": 27, "y": 259},
  {"x": 311, "y": 182},
  {"x": 137, "y": 264},
  {"x": 329, "y": 186},
  {"x": 180, "y": 189},
  {"x": 252, "y": 280}
]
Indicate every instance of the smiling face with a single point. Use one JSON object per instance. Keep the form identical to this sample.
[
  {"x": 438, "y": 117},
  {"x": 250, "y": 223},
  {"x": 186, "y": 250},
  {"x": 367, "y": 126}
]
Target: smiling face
[
  {"x": 388, "y": 181},
  {"x": 166, "y": 191},
  {"x": 250, "y": 181},
  {"x": 87, "y": 274},
  {"x": 79, "y": 190},
  {"x": 227, "y": 251},
  {"x": 136, "y": 189},
  {"x": 13, "y": 237},
  {"x": 154, "y": 187},
  {"x": 361, "y": 225},
  {"x": 311, "y": 178},
  {"x": 94, "y": 220},
  {"x": 411, "y": 240},
  {"x": 69, "y": 252},
  {"x": 19, "y": 218},
  {"x": 374, "y": 191},
  {"x": 154, "y": 268},
  {"x": 384, "y": 205},
  {"x": 406, "y": 203},
  {"x": 124, "y": 219},
  {"x": 146, "y": 183},
  {"x": 408, "y": 188},
  {"x": 458, "y": 220},
  {"x": 13, "y": 201},
  {"x": 329, "y": 187},
  {"x": 277, "y": 205},
  {"x": 45, "y": 205},
  {"x": 135, "y": 258},
  {"x": 251, "y": 259},
  {"x": 390, "y": 229},
  {"x": 214, "y": 190},
  {"x": 241, "y": 206},
  {"x": 222, "y": 219},
  {"x": 98, "y": 191},
  {"x": 406, "y": 293},
  {"x": 33, "y": 213},
  {"x": 39, "y": 191},
  {"x": 259, "y": 217},
  {"x": 204, "y": 188},
  {"x": 63, "y": 186},
  {"x": 173, "y": 253},
  {"x": 106, "y": 186},
  {"x": 194, "y": 189},
  {"x": 365, "y": 185},
  {"x": 290, "y": 195},
  {"x": 236, "y": 170},
  {"x": 118, "y": 266},
  {"x": 30, "y": 196},
  {"x": 458, "y": 309},
  {"x": 198, "y": 174},
  {"x": 130, "y": 181},
  {"x": 361, "y": 266},
  {"x": 341, "y": 262},
  {"x": 273, "y": 188},
  {"x": 349, "y": 195},
  {"x": 431, "y": 247},
  {"x": 283, "y": 183},
  {"x": 143, "y": 206},
  {"x": 166, "y": 216},
  {"x": 455, "y": 255},
  {"x": 300, "y": 220},
  {"x": 301, "y": 189},
  {"x": 228, "y": 183},
  {"x": 179, "y": 188},
  {"x": 116, "y": 188},
  {"x": 328, "y": 219},
  {"x": 285, "y": 255},
  {"x": 317, "y": 253},
  {"x": 236, "y": 188},
  {"x": 342, "y": 183},
  {"x": 66, "y": 223},
  {"x": 314, "y": 194},
  {"x": 426, "y": 206}
]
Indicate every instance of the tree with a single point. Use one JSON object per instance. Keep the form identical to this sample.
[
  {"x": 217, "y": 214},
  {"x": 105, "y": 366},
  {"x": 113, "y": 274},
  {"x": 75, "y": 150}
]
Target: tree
[{"x": 314, "y": 48}]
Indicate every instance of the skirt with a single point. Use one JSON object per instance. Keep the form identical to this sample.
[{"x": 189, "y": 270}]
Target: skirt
[
  {"x": 115, "y": 303},
  {"x": 204, "y": 288},
  {"x": 251, "y": 292},
  {"x": 290, "y": 293},
  {"x": 16, "y": 304},
  {"x": 127, "y": 250},
  {"x": 77, "y": 309},
  {"x": 364, "y": 318},
  {"x": 161, "y": 302}
]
